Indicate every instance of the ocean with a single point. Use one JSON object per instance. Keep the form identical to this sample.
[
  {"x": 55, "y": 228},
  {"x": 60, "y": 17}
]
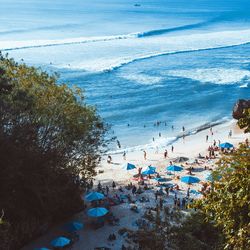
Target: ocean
[{"x": 150, "y": 67}]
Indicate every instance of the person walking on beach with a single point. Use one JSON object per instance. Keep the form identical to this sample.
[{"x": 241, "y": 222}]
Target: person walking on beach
[
  {"x": 118, "y": 144},
  {"x": 183, "y": 129},
  {"x": 165, "y": 154},
  {"x": 107, "y": 190},
  {"x": 113, "y": 185},
  {"x": 124, "y": 156},
  {"x": 172, "y": 127},
  {"x": 145, "y": 155},
  {"x": 99, "y": 187},
  {"x": 109, "y": 160},
  {"x": 172, "y": 148},
  {"x": 206, "y": 138},
  {"x": 160, "y": 134},
  {"x": 230, "y": 133}
]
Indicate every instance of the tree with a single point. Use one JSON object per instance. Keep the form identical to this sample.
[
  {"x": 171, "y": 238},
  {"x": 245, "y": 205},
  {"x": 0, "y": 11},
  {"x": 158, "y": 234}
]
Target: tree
[
  {"x": 49, "y": 137},
  {"x": 229, "y": 203},
  {"x": 244, "y": 122}
]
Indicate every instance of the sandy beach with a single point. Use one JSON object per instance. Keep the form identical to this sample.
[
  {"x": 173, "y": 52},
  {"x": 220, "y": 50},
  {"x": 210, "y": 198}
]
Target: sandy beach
[{"x": 190, "y": 147}]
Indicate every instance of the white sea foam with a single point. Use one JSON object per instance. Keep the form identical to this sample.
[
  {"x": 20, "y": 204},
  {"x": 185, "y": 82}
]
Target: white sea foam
[
  {"x": 213, "y": 75},
  {"x": 142, "y": 78},
  {"x": 244, "y": 85},
  {"x": 98, "y": 54}
]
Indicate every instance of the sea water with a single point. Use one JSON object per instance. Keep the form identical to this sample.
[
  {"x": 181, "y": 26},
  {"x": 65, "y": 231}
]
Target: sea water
[{"x": 180, "y": 63}]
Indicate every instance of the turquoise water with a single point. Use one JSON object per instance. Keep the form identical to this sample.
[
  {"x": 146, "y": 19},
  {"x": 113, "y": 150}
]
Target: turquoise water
[{"x": 184, "y": 63}]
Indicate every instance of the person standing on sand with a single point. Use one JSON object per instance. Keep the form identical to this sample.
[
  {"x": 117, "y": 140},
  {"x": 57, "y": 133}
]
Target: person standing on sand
[
  {"x": 172, "y": 148},
  {"x": 145, "y": 155},
  {"x": 230, "y": 133},
  {"x": 165, "y": 154},
  {"x": 206, "y": 138}
]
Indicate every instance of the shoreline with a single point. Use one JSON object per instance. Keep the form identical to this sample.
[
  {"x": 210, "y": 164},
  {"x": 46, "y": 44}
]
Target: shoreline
[
  {"x": 191, "y": 146},
  {"x": 170, "y": 140}
]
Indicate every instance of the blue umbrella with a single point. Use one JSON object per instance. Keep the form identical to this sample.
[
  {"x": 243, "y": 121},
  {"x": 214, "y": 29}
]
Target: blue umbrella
[
  {"x": 129, "y": 166},
  {"x": 97, "y": 212},
  {"x": 73, "y": 226},
  {"x": 226, "y": 145},
  {"x": 94, "y": 196},
  {"x": 60, "y": 242},
  {"x": 160, "y": 179},
  {"x": 148, "y": 172},
  {"x": 152, "y": 168},
  {"x": 174, "y": 168},
  {"x": 190, "y": 179}
]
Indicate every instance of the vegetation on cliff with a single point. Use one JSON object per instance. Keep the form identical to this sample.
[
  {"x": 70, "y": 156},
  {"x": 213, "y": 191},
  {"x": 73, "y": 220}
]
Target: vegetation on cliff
[{"x": 49, "y": 137}]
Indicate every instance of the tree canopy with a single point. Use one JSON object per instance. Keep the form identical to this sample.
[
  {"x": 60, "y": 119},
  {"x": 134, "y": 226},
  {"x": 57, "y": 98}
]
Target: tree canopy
[
  {"x": 49, "y": 137},
  {"x": 244, "y": 122},
  {"x": 228, "y": 205}
]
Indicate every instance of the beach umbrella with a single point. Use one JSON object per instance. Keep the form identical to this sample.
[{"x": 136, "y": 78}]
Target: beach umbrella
[
  {"x": 152, "y": 168},
  {"x": 73, "y": 226},
  {"x": 160, "y": 179},
  {"x": 190, "y": 179},
  {"x": 60, "y": 242},
  {"x": 148, "y": 172},
  {"x": 97, "y": 212},
  {"x": 174, "y": 168},
  {"x": 181, "y": 159},
  {"x": 129, "y": 166},
  {"x": 226, "y": 145},
  {"x": 94, "y": 196}
]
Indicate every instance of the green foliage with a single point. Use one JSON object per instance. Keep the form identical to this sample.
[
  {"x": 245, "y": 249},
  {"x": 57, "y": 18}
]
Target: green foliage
[
  {"x": 228, "y": 205},
  {"x": 48, "y": 137},
  {"x": 244, "y": 123},
  {"x": 195, "y": 233}
]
